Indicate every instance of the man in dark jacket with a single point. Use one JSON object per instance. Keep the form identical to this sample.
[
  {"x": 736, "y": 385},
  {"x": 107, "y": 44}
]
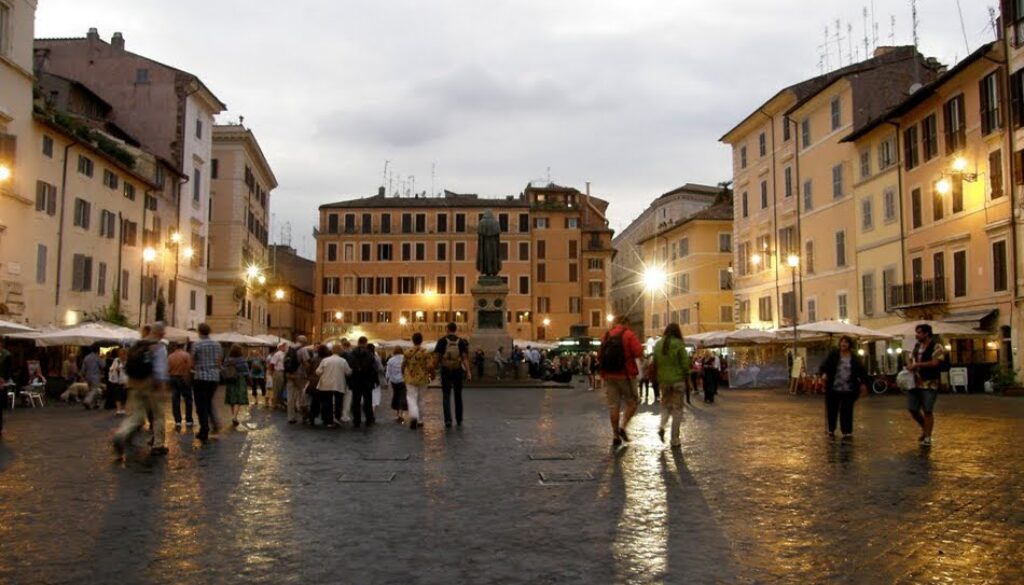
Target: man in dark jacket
[{"x": 362, "y": 381}]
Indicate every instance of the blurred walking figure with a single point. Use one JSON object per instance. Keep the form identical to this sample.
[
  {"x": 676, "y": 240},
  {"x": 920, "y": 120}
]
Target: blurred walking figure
[
  {"x": 712, "y": 367},
  {"x": 92, "y": 372},
  {"x": 672, "y": 371},
  {"x": 619, "y": 356},
  {"x": 417, "y": 371},
  {"x": 258, "y": 376},
  {"x": 116, "y": 380},
  {"x": 179, "y": 366},
  {"x": 276, "y": 365},
  {"x": 146, "y": 368},
  {"x": 845, "y": 377},
  {"x": 235, "y": 376},
  {"x": 332, "y": 385},
  {"x": 296, "y": 364},
  {"x": 206, "y": 360},
  {"x": 394, "y": 377}
]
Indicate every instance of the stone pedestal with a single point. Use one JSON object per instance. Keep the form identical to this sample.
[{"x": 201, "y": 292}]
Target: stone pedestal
[{"x": 489, "y": 332}]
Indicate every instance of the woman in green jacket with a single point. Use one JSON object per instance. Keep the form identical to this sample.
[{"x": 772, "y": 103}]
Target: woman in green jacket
[{"x": 673, "y": 371}]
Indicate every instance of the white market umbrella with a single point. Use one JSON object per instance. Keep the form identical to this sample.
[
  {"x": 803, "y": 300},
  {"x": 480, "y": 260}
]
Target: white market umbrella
[
  {"x": 272, "y": 340},
  {"x": 830, "y": 327},
  {"x": 748, "y": 336},
  {"x": 522, "y": 343},
  {"x": 176, "y": 335},
  {"x": 85, "y": 334},
  {"x": 707, "y": 339},
  {"x": 906, "y": 329},
  {"x": 9, "y": 327},
  {"x": 237, "y": 338}
]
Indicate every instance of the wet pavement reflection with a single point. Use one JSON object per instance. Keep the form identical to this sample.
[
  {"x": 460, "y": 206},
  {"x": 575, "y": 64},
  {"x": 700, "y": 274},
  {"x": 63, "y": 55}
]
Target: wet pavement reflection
[{"x": 756, "y": 494}]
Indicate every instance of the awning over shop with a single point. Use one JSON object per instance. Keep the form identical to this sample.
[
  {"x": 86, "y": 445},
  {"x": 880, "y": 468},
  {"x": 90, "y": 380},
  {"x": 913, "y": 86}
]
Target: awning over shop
[{"x": 971, "y": 318}]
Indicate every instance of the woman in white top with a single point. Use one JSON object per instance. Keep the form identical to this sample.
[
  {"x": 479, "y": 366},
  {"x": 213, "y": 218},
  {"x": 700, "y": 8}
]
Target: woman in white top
[
  {"x": 332, "y": 386},
  {"x": 394, "y": 377},
  {"x": 116, "y": 380}
]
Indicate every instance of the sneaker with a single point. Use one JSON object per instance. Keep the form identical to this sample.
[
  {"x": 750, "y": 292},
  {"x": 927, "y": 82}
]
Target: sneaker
[
  {"x": 331, "y": 426},
  {"x": 830, "y": 434},
  {"x": 623, "y": 435},
  {"x": 177, "y": 426},
  {"x": 848, "y": 437},
  {"x": 616, "y": 442},
  {"x": 413, "y": 424},
  {"x": 926, "y": 442},
  {"x": 234, "y": 422},
  {"x": 189, "y": 423},
  {"x": 661, "y": 434}
]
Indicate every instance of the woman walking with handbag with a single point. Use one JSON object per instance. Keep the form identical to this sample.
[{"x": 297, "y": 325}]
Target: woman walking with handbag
[
  {"x": 845, "y": 378},
  {"x": 235, "y": 375}
]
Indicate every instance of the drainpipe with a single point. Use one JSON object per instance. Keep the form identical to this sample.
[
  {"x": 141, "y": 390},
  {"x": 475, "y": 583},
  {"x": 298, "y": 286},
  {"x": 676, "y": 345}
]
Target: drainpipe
[
  {"x": 120, "y": 256},
  {"x": 798, "y": 195},
  {"x": 142, "y": 268},
  {"x": 177, "y": 254},
  {"x": 1014, "y": 194},
  {"x": 903, "y": 229},
  {"x": 775, "y": 224},
  {"x": 60, "y": 224}
]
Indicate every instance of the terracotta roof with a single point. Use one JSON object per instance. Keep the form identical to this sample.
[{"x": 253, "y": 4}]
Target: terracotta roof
[
  {"x": 923, "y": 93},
  {"x": 450, "y": 200}
]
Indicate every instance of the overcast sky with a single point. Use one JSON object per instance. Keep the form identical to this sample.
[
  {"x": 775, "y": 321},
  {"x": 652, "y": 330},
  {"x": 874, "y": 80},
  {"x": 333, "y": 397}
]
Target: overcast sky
[{"x": 631, "y": 95}]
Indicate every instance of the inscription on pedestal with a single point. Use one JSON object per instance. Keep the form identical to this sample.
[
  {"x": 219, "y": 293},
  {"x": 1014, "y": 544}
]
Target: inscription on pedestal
[{"x": 490, "y": 319}]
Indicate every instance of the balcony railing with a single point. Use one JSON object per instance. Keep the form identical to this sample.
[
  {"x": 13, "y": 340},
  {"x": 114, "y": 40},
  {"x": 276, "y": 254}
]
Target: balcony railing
[{"x": 917, "y": 293}]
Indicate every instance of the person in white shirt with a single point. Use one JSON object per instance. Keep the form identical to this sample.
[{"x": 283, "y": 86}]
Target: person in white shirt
[
  {"x": 393, "y": 374},
  {"x": 332, "y": 386},
  {"x": 499, "y": 362},
  {"x": 276, "y": 365}
]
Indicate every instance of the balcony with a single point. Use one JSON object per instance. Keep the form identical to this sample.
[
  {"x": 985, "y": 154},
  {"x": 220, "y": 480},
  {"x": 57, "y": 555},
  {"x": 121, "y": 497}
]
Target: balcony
[{"x": 918, "y": 293}]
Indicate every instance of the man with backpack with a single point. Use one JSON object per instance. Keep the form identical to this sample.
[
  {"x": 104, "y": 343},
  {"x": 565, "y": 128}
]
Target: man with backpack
[
  {"x": 361, "y": 382},
  {"x": 927, "y": 362},
  {"x": 618, "y": 356},
  {"x": 296, "y": 364},
  {"x": 146, "y": 368},
  {"x": 453, "y": 358}
]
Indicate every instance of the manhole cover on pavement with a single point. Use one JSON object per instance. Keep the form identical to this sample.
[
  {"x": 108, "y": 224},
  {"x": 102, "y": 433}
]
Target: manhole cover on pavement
[
  {"x": 386, "y": 457},
  {"x": 551, "y": 456},
  {"x": 385, "y": 477},
  {"x": 561, "y": 476}
]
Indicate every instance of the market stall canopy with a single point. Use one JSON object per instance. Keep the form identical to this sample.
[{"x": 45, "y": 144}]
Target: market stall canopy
[
  {"x": 707, "y": 339},
  {"x": 9, "y": 327},
  {"x": 176, "y": 335},
  {"x": 84, "y": 334},
  {"x": 907, "y": 329},
  {"x": 830, "y": 327},
  {"x": 272, "y": 340},
  {"x": 392, "y": 344},
  {"x": 237, "y": 338},
  {"x": 522, "y": 343},
  {"x": 750, "y": 336}
]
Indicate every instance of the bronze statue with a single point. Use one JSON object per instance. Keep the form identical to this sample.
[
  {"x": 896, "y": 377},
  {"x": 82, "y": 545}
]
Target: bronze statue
[{"x": 488, "y": 245}]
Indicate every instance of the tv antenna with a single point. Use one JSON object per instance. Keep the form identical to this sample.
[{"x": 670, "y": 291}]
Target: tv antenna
[{"x": 385, "y": 177}]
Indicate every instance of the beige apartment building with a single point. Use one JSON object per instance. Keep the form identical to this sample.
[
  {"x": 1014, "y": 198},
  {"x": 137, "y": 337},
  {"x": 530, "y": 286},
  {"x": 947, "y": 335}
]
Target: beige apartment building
[
  {"x": 292, "y": 296},
  {"x": 793, "y": 177},
  {"x": 956, "y": 253},
  {"x": 695, "y": 255},
  {"x": 1012, "y": 40},
  {"x": 238, "y": 286},
  {"x": 627, "y": 290},
  {"x": 389, "y": 266},
  {"x": 171, "y": 113}
]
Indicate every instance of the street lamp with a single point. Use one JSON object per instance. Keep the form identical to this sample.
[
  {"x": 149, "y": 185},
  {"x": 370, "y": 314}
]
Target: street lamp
[
  {"x": 794, "y": 261},
  {"x": 610, "y": 318},
  {"x": 148, "y": 255},
  {"x": 655, "y": 280},
  {"x": 943, "y": 187},
  {"x": 279, "y": 294},
  {"x": 5, "y": 173}
]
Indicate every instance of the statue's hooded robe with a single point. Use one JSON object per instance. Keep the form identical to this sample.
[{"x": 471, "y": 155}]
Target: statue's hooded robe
[{"x": 488, "y": 248}]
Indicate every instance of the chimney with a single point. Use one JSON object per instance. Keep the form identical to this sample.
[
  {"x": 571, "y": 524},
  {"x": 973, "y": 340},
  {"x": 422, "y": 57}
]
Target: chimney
[
  {"x": 94, "y": 34},
  {"x": 117, "y": 41},
  {"x": 380, "y": 191}
]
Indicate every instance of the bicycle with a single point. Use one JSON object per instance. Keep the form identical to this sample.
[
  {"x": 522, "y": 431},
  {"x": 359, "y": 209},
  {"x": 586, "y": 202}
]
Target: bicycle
[{"x": 883, "y": 383}]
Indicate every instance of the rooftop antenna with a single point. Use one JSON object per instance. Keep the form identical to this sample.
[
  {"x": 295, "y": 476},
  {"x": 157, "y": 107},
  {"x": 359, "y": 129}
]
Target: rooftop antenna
[
  {"x": 874, "y": 26},
  {"x": 867, "y": 46},
  {"x": 914, "y": 24},
  {"x": 412, "y": 183},
  {"x": 391, "y": 184},
  {"x": 849, "y": 40},
  {"x": 993, "y": 20},
  {"x": 385, "y": 178},
  {"x": 963, "y": 29},
  {"x": 892, "y": 28},
  {"x": 839, "y": 44},
  {"x": 828, "y": 65},
  {"x": 286, "y": 234}
]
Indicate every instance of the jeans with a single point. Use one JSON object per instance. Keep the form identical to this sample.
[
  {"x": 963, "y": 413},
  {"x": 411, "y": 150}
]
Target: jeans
[
  {"x": 451, "y": 380},
  {"x": 840, "y": 404},
  {"x": 181, "y": 389},
  {"x": 204, "y": 391},
  {"x": 362, "y": 403},
  {"x": 414, "y": 398}
]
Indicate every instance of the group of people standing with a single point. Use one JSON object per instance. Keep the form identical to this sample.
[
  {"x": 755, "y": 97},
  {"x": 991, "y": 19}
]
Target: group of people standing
[{"x": 669, "y": 365}]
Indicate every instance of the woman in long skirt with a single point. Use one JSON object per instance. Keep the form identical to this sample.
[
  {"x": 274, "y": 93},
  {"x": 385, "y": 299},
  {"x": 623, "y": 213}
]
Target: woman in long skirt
[{"x": 236, "y": 381}]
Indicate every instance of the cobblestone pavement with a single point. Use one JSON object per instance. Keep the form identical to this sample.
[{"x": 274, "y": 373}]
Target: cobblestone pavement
[{"x": 756, "y": 495}]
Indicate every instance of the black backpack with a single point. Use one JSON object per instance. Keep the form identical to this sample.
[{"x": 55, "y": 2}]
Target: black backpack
[
  {"x": 613, "y": 353},
  {"x": 139, "y": 364},
  {"x": 291, "y": 360},
  {"x": 364, "y": 367}
]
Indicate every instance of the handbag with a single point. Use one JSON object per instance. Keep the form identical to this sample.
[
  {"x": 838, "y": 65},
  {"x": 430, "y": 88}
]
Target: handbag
[{"x": 228, "y": 373}]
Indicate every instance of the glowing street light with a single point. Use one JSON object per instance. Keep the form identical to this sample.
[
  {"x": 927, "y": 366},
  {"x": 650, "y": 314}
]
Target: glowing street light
[
  {"x": 279, "y": 294},
  {"x": 261, "y": 279},
  {"x": 148, "y": 255},
  {"x": 755, "y": 259},
  {"x": 547, "y": 322},
  {"x": 655, "y": 278},
  {"x": 188, "y": 252},
  {"x": 338, "y": 315},
  {"x": 943, "y": 187},
  {"x": 402, "y": 321},
  {"x": 610, "y": 318},
  {"x": 5, "y": 173},
  {"x": 959, "y": 164},
  {"x": 175, "y": 237},
  {"x": 252, "y": 271},
  {"x": 793, "y": 260}
]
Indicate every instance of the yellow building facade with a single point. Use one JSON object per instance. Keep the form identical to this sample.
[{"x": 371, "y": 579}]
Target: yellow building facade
[
  {"x": 793, "y": 179},
  {"x": 695, "y": 257},
  {"x": 1012, "y": 41},
  {"x": 239, "y": 272},
  {"x": 389, "y": 266}
]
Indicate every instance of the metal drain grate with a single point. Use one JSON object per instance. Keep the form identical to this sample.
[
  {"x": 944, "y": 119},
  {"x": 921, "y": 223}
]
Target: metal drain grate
[
  {"x": 378, "y": 477},
  {"x": 565, "y": 476}
]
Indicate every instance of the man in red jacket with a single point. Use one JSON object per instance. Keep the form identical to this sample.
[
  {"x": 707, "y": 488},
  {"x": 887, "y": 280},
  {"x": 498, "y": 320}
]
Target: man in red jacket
[{"x": 619, "y": 357}]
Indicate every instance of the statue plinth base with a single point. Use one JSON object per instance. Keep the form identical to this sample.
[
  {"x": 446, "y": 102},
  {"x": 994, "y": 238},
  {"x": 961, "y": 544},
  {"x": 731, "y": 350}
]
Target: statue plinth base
[{"x": 489, "y": 333}]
